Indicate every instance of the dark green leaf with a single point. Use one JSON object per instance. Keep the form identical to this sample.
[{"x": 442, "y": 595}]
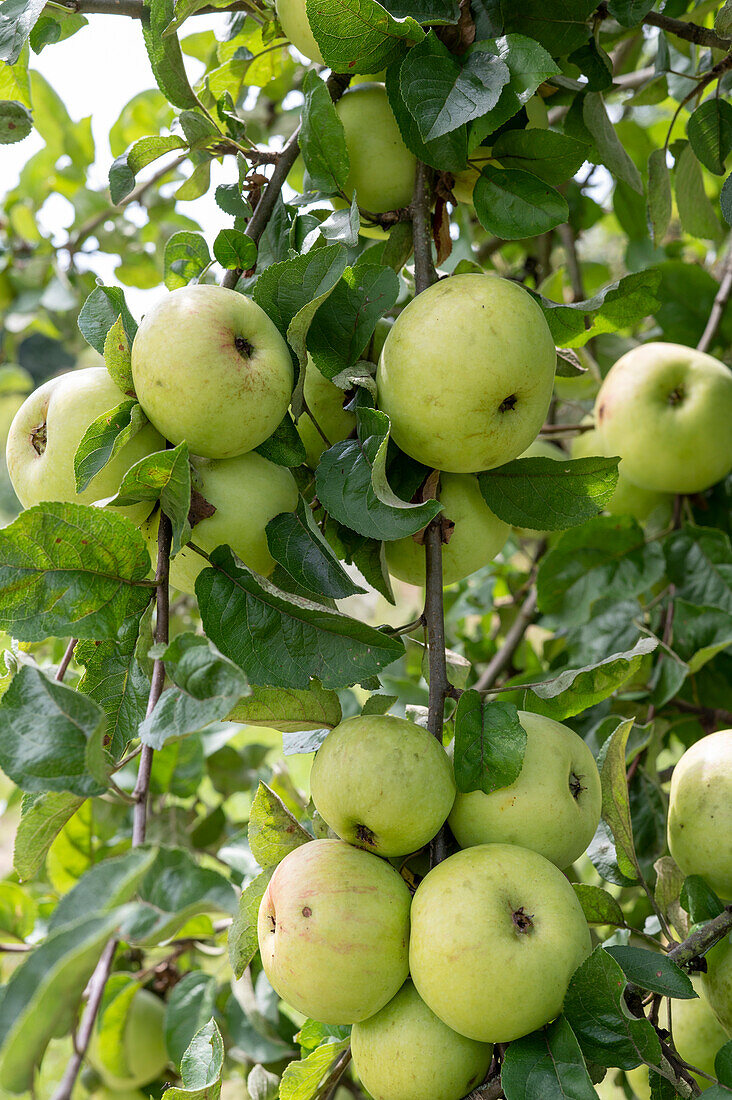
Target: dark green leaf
[
  {"x": 700, "y": 633},
  {"x": 710, "y": 133},
  {"x": 174, "y": 890},
  {"x": 529, "y": 65},
  {"x": 629, "y": 12},
  {"x": 104, "y": 438},
  {"x": 234, "y": 249},
  {"x": 547, "y": 1064},
  {"x": 99, "y": 313},
  {"x": 43, "y": 816},
  {"x": 295, "y": 541},
  {"x": 190, "y": 1005},
  {"x": 696, "y": 211},
  {"x": 201, "y": 1066},
  {"x": 186, "y": 255},
  {"x": 489, "y": 744},
  {"x": 598, "y": 906},
  {"x": 610, "y": 149},
  {"x": 725, "y": 200},
  {"x": 273, "y": 831},
  {"x": 548, "y": 495},
  {"x": 594, "y": 63},
  {"x": 513, "y": 204},
  {"x": 16, "y": 121},
  {"x": 127, "y": 165},
  {"x": 163, "y": 476},
  {"x": 164, "y": 53},
  {"x": 448, "y": 153},
  {"x": 660, "y": 202},
  {"x": 345, "y": 322},
  {"x": 699, "y": 564},
  {"x": 651, "y": 970},
  {"x": 360, "y": 34},
  {"x": 560, "y": 28},
  {"x": 615, "y": 802},
  {"x": 243, "y": 941},
  {"x": 699, "y": 900},
  {"x": 284, "y": 446},
  {"x": 576, "y": 689},
  {"x": 551, "y": 156},
  {"x": 103, "y": 887},
  {"x": 17, "y": 18},
  {"x": 618, "y": 306},
  {"x": 366, "y": 554},
  {"x": 322, "y": 138}
]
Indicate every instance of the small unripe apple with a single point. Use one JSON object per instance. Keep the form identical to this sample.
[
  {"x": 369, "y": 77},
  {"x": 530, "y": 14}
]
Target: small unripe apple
[
  {"x": 717, "y": 982},
  {"x": 405, "y": 1052},
  {"x": 477, "y": 537},
  {"x": 143, "y": 1041},
  {"x": 293, "y": 16},
  {"x": 523, "y": 907},
  {"x": 666, "y": 410},
  {"x": 210, "y": 367},
  {"x": 382, "y": 783},
  {"x": 628, "y": 499},
  {"x": 382, "y": 168},
  {"x": 554, "y": 805},
  {"x": 47, "y": 430},
  {"x": 700, "y": 811},
  {"x": 325, "y": 402},
  {"x": 334, "y": 931},
  {"x": 466, "y": 373},
  {"x": 247, "y": 492}
]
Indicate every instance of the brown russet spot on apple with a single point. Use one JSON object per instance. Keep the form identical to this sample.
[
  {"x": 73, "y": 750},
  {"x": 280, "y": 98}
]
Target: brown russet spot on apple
[
  {"x": 243, "y": 346},
  {"x": 365, "y": 835},
  {"x": 39, "y": 438},
  {"x": 523, "y": 921},
  {"x": 508, "y": 404},
  {"x": 307, "y": 911},
  {"x": 200, "y": 508}
]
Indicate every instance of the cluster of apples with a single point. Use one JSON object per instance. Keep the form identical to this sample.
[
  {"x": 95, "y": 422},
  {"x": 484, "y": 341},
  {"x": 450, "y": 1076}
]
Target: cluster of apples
[{"x": 485, "y": 949}]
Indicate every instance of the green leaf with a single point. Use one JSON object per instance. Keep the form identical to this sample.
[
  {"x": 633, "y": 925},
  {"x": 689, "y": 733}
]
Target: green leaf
[
  {"x": 351, "y": 484},
  {"x": 204, "y": 689},
  {"x": 100, "y": 312},
  {"x": 105, "y": 437},
  {"x": 618, "y": 306},
  {"x": 69, "y": 570},
  {"x": 42, "y": 996},
  {"x": 699, "y": 564},
  {"x": 295, "y": 541},
  {"x": 322, "y": 138},
  {"x": 560, "y": 28},
  {"x": 17, "y": 18},
  {"x": 596, "y": 1011},
  {"x": 262, "y": 1085},
  {"x": 598, "y": 906},
  {"x": 660, "y": 202},
  {"x": 127, "y": 165},
  {"x": 595, "y": 64},
  {"x": 117, "y": 357},
  {"x": 103, "y": 887},
  {"x": 725, "y": 200},
  {"x": 201, "y": 1067},
  {"x": 359, "y": 34},
  {"x": 164, "y": 53},
  {"x": 651, "y": 970},
  {"x": 43, "y": 816},
  {"x": 281, "y": 640},
  {"x": 489, "y": 744},
  {"x": 443, "y": 92},
  {"x": 700, "y": 633},
  {"x": 607, "y": 556},
  {"x": 629, "y": 12},
  {"x": 513, "y": 204},
  {"x": 609, "y": 147},
  {"x": 273, "y": 831},
  {"x": 174, "y": 890},
  {"x": 55, "y": 27},
  {"x": 284, "y": 447},
  {"x": 549, "y": 495},
  {"x": 163, "y": 476},
  {"x": 16, "y": 121},
  {"x": 243, "y": 941},
  {"x": 190, "y": 1005},
  {"x": 448, "y": 153},
  {"x": 529, "y": 65},
  {"x": 345, "y": 322},
  {"x": 710, "y": 133},
  {"x": 576, "y": 689},
  {"x": 233, "y": 249},
  {"x": 696, "y": 212},
  {"x": 45, "y": 731},
  {"x": 288, "y": 709},
  {"x": 551, "y": 156},
  {"x": 185, "y": 258},
  {"x": 615, "y": 802},
  {"x": 301, "y": 1079},
  {"x": 548, "y": 1064},
  {"x": 368, "y": 555},
  {"x": 699, "y": 900}
]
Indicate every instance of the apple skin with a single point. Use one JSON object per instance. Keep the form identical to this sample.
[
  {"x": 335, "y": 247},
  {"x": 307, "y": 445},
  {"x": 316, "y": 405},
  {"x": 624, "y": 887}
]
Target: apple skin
[
  {"x": 554, "y": 805},
  {"x": 325, "y": 401},
  {"x": 67, "y": 405},
  {"x": 293, "y": 17},
  {"x": 700, "y": 811},
  {"x": 474, "y": 353},
  {"x": 628, "y": 499},
  {"x": 247, "y": 492},
  {"x": 334, "y": 931},
  {"x": 405, "y": 1052},
  {"x": 382, "y": 783},
  {"x": 210, "y": 367},
  {"x": 717, "y": 982},
  {"x": 481, "y": 896},
  {"x": 382, "y": 168},
  {"x": 144, "y": 1045},
  {"x": 478, "y": 535},
  {"x": 666, "y": 410}
]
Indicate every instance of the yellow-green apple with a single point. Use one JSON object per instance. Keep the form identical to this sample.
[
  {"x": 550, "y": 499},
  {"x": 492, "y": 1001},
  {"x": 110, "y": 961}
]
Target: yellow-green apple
[
  {"x": 666, "y": 410},
  {"x": 210, "y": 367},
  {"x": 717, "y": 982},
  {"x": 554, "y": 805},
  {"x": 333, "y": 931},
  {"x": 47, "y": 430},
  {"x": 382, "y": 783},
  {"x": 246, "y": 492},
  {"x": 521, "y": 905},
  {"x": 295, "y": 23},
  {"x": 143, "y": 1042},
  {"x": 476, "y": 538},
  {"x": 700, "y": 811},
  {"x": 628, "y": 499},
  {"x": 610, "y": 1088},
  {"x": 325, "y": 401},
  {"x": 405, "y": 1052},
  {"x": 382, "y": 168},
  {"x": 466, "y": 373}
]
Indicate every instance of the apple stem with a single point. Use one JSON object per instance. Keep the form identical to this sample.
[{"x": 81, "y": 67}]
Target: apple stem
[{"x": 65, "y": 660}]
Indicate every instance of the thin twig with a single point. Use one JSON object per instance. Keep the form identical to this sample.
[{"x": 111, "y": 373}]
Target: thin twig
[
  {"x": 97, "y": 982},
  {"x": 691, "y": 32},
  {"x": 66, "y": 660},
  {"x": 513, "y": 638},
  {"x": 720, "y": 302},
  {"x": 435, "y": 623},
  {"x": 563, "y": 429},
  {"x": 700, "y": 941},
  {"x": 424, "y": 269},
  {"x": 569, "y": 244},
  {"x": 327, "y": 1089}
]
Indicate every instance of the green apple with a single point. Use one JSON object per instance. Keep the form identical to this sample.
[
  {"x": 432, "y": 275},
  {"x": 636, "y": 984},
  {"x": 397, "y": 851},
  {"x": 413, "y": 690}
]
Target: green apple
[
  {"x": 628, "y": 499},
  {"x": 465, "y": 181},
  {"x": 466, "y": 373},
  {"x": 609, "y": 1088},
  {"x": 296, "y": 25},
  {"x": 382, "y": 783},
  {"x": 700, "y": 811},
  {"x": 333, "y": 931},
  {"x": 325, "y": 402},
  {"x": 717, "y": 982},
  {"x": 382, "y": 168},
  {"x": 405, "y": 1052},
  {"x": 210, "y": 367},
  {"x": 554, "y": 805},
  {"x": 666, "y": 410},
  {"x": 523, "y": 907},
  {"x": 47, "y": 430},
  {"x": 477, "y": 537},
  {"x": 143, "y": 1041},
  {"x": 247, "y": 492}
]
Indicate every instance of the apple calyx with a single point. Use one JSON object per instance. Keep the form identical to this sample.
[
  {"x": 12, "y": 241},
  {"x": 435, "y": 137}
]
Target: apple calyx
[
  {"x": 677, "y": 395},
  {"x": 575, "y": 785},
  {"x": 39, "y": 438},
  {"x": 365, "y": 835},
  {"x": 523, "y": 921},
  {"x": 508, "y": 404},
  {"x": 243, "y": 346}
]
